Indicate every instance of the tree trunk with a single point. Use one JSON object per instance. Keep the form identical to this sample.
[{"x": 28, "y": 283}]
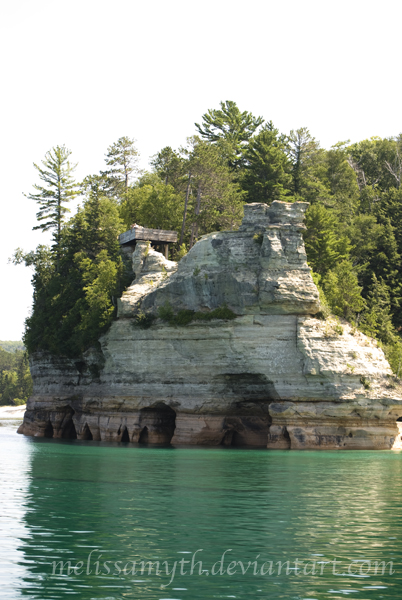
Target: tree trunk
[
  {"x": 194, "y": 227},
  {"x": 185, "y": 208}
]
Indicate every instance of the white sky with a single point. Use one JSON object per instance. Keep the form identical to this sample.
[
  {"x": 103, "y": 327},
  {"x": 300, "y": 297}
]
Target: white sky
[{"x": 85, "y": 72}]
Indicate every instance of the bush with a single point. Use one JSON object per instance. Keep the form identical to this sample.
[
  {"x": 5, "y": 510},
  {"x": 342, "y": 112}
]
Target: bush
[
  {"x": 144, "y": 320},
  {"x": 186, "y": 316},
  {"x": 258, "y": 238}
]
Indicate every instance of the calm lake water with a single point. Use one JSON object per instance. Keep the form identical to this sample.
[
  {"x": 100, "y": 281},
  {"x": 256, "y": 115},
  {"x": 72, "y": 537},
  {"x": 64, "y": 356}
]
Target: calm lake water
[{"x": 62, "y": 500}]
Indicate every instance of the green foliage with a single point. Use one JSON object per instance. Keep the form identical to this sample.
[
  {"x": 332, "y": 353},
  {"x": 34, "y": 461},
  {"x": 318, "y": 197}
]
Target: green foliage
[
  {"x": 122, "y": 158},
  {"x": 169, "y": 166},
  {"x": 393, "y": 354},
  {"x": 153, "y": 204},
  {"x": 333, "y": 328},
  {"x": 353, "y": 238},
  {"x": 343, "y": 292},
  {"x": 365, "y": 382},
  {"x": 267, "y": 175},
  {"x": 377, "y": 323},
  {"x": 15, "y": 378},
  {"x": 215, "y": 200},
  {"x": 325, "y": 245},
  {"x": 182, "y": 251},
  {"x": 186, "y": 316},
  {"x": 9, "y": 346},
  {"x": 230, "y": 129},
  {"x": 258, "y": 238},
  {"x": 144, "y": 320},
  {"x": 325, "y": 311},
  {"x": 76, "y": 303},
  {"x": 59, "y": 188},
  {"x": 306, "y": 158}
]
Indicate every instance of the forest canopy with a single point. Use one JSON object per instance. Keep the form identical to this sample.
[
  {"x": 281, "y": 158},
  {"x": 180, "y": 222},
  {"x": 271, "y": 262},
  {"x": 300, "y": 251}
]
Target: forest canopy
[
  {"x": 353, "y": 237},
  {"x": 15, "y": 378}
]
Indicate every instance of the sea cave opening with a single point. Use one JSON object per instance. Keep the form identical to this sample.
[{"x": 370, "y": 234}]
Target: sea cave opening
[
  {"x": 144, "y": 436},
  {"x": 87, "y": 433},
  {"x": 157, "y": 424},
  {"x": 125, "y": 436},
  {"x": 49, "y": 431},
  {"x": 232, "y": 438},
  {"x": 69, "y": 431}
]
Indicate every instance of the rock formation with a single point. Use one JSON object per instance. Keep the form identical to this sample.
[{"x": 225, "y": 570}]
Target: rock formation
[{"x": 274, "y": 376}]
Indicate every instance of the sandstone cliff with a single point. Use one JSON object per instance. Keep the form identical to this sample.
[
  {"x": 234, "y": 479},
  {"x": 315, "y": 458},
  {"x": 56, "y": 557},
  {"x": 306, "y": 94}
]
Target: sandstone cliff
[{"x": 273, "y": 376}]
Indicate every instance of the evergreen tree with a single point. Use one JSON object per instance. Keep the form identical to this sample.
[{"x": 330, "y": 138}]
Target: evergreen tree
[
  {"x": 122, "y": 157},
  {"x": 15, "y": 378},
  {"x": 230, "y": 129},
  {"x": 340, "y": 180},
  {"x": 325, "y": 245},
  {"x": 343, "y": 292},
  {"x": 303, "y": 151},
  {"x": 168, "y": 164},
  {"x": 377, "y": 320},
  {"x": 267, "y": 173},
  {"x": 76, "y": 303},
  {"x": 60, "y": 188},
  {"x": 213, "y": 198},
  {"x": 97, "y": 186}
]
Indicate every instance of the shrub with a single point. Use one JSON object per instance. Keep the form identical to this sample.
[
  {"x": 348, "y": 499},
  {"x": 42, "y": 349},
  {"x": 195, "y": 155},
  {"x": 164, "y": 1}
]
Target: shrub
[
  {"x": 144, "y": 320},
  {"x": 258, "y": 238},
  {"x": 186, "y": 316}
]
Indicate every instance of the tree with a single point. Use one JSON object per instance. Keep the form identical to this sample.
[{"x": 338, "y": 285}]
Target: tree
[
  {"x": 375, "y": 162},
  {"x": 152, "y": 203},
  {"x": 377, "y": 320},
  {"x": 267, "y": 173},
  {"x": 15, "y": 378},
  {"x": 169, "y": 166},
  {"x": 122, "y": 157},
  {"x": 76, "y": 303},
  {"x": 340, "y": 180},
  {"x": 343, "y": 292},
  {"x": 56, "y": 174},
  {"x": 213, "y": 197},
  {"x": 229, "y": 128},
  {"x": 97, "y": 186},
  {"x": 303, "y": 151},
  {"x": 325, "y": 246}
]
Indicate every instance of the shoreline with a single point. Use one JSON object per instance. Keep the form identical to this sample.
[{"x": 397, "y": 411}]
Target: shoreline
[{"x": 12, "y": 412}]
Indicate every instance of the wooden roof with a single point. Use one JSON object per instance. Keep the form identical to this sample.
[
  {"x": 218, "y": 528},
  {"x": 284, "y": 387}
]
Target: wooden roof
[{"x": 143, "y": 233}]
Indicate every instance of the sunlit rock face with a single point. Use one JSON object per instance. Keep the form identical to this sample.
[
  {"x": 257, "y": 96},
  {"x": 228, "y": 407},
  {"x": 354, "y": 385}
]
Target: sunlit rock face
[{"x": 275, "y": 376}]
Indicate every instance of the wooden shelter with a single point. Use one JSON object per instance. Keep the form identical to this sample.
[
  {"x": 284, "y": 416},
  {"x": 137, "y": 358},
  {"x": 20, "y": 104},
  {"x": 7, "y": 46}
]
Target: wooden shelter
[{"x": 159, "y": 238}]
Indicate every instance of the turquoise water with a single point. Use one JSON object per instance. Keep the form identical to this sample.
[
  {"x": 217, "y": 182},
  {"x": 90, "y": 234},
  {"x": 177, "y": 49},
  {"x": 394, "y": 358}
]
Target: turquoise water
[{"x": 61, "y": 500}]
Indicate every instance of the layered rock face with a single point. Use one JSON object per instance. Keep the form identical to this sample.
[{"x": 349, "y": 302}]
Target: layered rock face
[{"x": 273, "y": 376}]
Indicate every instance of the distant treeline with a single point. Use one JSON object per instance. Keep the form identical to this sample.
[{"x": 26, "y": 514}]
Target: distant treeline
[
  {"x": 11, "y": 346},
  {"x": 354, "y": 224},
  {"x": 15, "y": 378}
]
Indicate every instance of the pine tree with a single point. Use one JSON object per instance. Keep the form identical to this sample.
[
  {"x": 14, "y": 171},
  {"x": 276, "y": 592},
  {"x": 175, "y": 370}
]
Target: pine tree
[
  {"x": 122, "y": 157},
  {"x": 56, "y": 174},
  {"x": 230, "y": 129},
  {"x": 169, "y": 166},
  {"x": 213, "y": 199},
  {"x": 343, "y": 292},
  {"x": 325, "y": 246},
  {"x": 267, "y": 173},
  {"x": 377, "y": 320}
]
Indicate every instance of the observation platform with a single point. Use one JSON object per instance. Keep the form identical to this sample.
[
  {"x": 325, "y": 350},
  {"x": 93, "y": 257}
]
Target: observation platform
[{"x": 159, "y": 238}]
